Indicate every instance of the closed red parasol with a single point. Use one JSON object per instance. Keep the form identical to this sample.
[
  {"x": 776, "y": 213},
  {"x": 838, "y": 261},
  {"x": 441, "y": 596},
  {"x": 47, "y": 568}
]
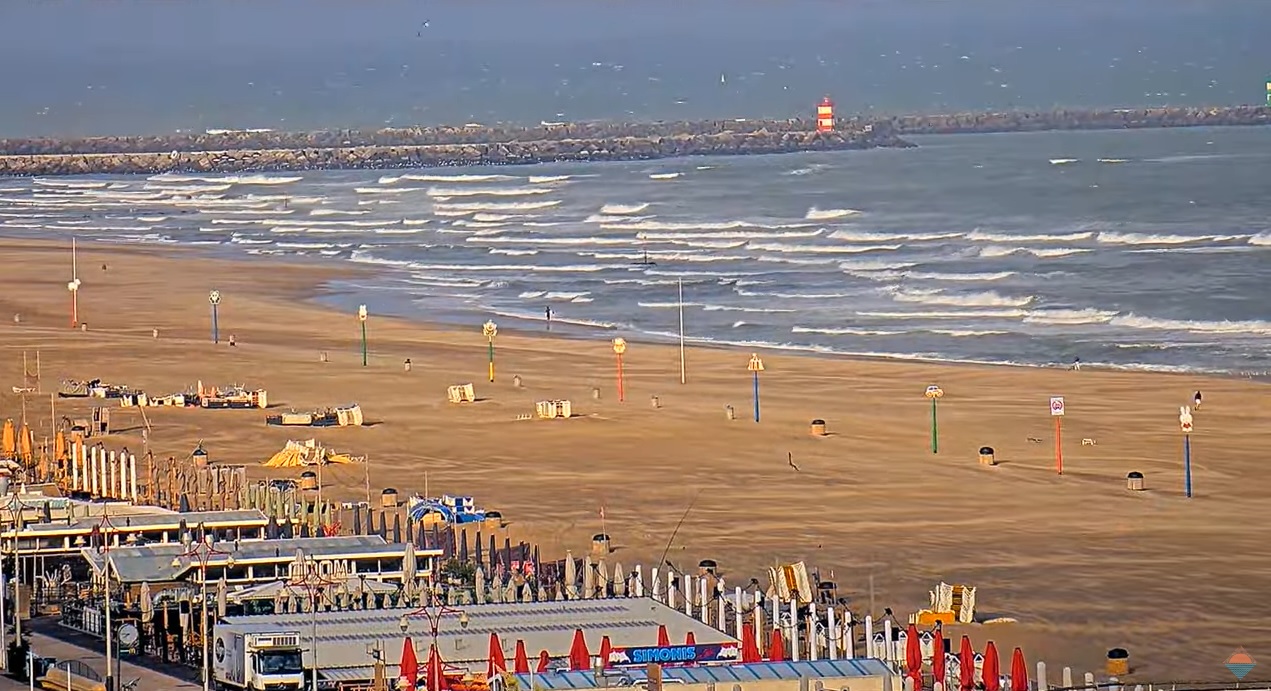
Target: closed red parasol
[
  {"x": 966, "y": 665},
  {"x": 937, "y": 658},
  {"x": 579, "y": 657},
  {"x": 498, "y": 663},
  {"x": 605, "y": 649},
  {"x": 777, "y": 648},
  {"x": 690, "y": 639},
  {"x": 749, "y": 651},
  {"x": 664, "y": 638},
  {"x": 544, "y": 661},
  {"x": 410, "y": 663},
  {"x": 913, "y": 656},
  {"x": 1019, "y": 671},
  {"x": 436, "y": 671},
  {"x": 992, "y": 672},
  {"x": 521, "y": 661}
]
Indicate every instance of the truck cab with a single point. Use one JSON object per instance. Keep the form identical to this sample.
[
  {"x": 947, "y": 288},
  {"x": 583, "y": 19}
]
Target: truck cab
[{"x": 257, "y": 661}]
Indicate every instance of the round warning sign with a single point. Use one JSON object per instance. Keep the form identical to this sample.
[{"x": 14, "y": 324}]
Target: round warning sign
[{"x": 1057, "y": 405}]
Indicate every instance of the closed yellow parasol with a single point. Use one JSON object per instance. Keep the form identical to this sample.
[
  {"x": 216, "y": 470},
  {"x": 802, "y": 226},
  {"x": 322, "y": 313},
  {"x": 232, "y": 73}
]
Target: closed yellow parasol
[
  {"x": 26, "y": 442},
  {"x": 7, "y": 441}
]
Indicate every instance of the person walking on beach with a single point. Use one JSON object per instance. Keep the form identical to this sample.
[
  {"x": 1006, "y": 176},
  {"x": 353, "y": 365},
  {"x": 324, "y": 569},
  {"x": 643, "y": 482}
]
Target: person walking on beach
[
  {"x": 1196, "y": 401},
  {"x": 549, "y": 317},
  {"x": 1076, "y": 364}
]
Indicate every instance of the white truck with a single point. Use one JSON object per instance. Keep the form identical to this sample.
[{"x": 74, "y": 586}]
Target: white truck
[{"x": 257, "y": 661}]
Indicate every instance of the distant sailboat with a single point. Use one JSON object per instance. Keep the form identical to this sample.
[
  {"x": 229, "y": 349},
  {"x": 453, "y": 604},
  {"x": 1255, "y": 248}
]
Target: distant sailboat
[
  {"x": 645, "y": 260},
  {"x": 721, "y": 78}
]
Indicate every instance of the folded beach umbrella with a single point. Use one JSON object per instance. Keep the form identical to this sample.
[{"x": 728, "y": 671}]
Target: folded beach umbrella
[
  {"x": 579, "y": 657},
  {"x": 25, "y": 443},
  {"x": 605, "y": 649},
  {"x": 777, "y": 648},
  {"x": 966, "y": 665},
  {"x": 409, "y": 664},
  {"x": 992, "y": 671},
  {"x": 664, "y": 638},
  {"x": 436, "y": 671},
  {"x": 59, "y": 446},
  {"x": 8, "y": 444},
  {"x": 690, "y": 639},
  {"x": 498, "y": 663},
  {"x": 1019, "y": 671},
  {"x": 749, "y": 650},
  {"x": 913, "y": 656},
  {"x": 544, "y": 661},
  {"x": 937, "y": 658},
  {"x": 521, "y": 661}
]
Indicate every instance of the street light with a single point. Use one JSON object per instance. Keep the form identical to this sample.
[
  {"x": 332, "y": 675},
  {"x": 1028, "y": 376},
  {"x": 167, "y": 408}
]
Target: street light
[
  {"x": 434, "y": 616},
  {"x": 103, "y": 530},
  {"x": 313, "y": 583},
  {"x": 490, "y": 330},
  {"x": 361, "y": 317},
  {"x": 203, "y": 551},
  {"x": 73, "y": 286},
  {"x": 620, "y": 347},
  {"x": 214, "y": 297}
]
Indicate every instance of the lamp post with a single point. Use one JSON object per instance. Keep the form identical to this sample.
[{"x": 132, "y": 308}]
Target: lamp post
[
  {"x": 756, "y": 366},
  {"x": 73, "y": 286},
  {"x": 1185, "y": 422},
  {"x": 620, "y": 347},
  {"x": 433, "y": 614},
  {"x": 104, "y": 529},
  {"x": 934, "y": 393},
  {"x": 214, "y": 297},
  {"x": 361, "y": 317},
  {"x": 490, "y": 330},
  {"x": 314, "y": 583},
  {"x": 203, "y": 550}
]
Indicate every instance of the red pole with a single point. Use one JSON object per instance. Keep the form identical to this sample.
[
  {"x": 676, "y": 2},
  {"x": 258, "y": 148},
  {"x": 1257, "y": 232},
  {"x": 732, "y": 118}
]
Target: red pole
[
  {"x": 620, "y": 391},
  {"x": 1059, "y": 446}
]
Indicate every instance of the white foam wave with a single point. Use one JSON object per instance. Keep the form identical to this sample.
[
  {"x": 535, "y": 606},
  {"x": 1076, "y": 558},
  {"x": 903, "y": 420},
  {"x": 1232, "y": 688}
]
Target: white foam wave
[
  {"x": 388, "y": 190},
  {"x": 1045, "y": 253},
  {"x": 1261, "y": 239},
  {"x": 336, "y": 212},
  {"x": 152, "y": 219},
  {"x": 1063, "y": 161},
  {"x": 844, "y": 331},
  {"x": 546, "y": 179},
  {"x": 457, "y": 178},
  {"x": 947, "y": 314},
  {"x": 487, "y": 191},
  {"x": 873, "y": 265},
  {"x": 815, "y": 214},
  {"x": 664, "y": 176},
  {"x": 1069, "y": 317},
  {"x": 1133, "y": 321},
  {"x": 231, "y": 179},
  {"x": 528, "y": 240},
  {"x": 736, "y": 308},
  {"x": 1110, "y": 238},
  {"x": 469, "y": 207},
  {"x": 866, "y": 236},
  {"x": 185, "y": 189},
  {"x": 982, "y": 236},
  {"x": 623, "y": 209},
  {"x": 1112, "y": 160},
  {"x": 819, "y": 249},
  {"x": 938, "y": 297},
  {"x": 512, "y": 253},
  {"x": 70, "y": 184}
]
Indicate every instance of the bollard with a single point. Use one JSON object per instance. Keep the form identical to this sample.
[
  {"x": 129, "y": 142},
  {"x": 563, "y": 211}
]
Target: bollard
[{"x": 595, "y": 393}]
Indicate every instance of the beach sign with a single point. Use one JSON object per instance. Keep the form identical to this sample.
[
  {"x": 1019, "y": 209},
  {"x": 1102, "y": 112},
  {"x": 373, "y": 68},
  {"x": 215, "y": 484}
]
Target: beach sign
[
  {"x": 1185, "y": 419},
  {"x": 1057, "y": 406},
  {"x": 934, "y": 392}
]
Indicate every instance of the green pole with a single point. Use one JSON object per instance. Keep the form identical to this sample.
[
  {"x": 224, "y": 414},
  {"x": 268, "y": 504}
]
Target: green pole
[
  {"x": 935, "y": 438},
  {"x": 491, "y": 359},
  {"x": 364, "y": 344}
]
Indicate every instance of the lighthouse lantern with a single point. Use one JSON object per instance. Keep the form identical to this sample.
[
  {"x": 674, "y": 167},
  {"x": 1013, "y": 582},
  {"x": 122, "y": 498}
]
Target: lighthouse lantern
[{"x": 825, "y": 115}]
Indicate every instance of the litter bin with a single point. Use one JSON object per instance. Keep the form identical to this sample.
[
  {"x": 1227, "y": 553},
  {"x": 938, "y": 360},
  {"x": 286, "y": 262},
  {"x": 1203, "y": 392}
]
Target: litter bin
[
  {"x": 308, "y": 480},
  {"x": 1118, "y": 662},
  {"x": 986, "y": 456},
  {"x": 388, "y": 498},
  {"x": 1134, "y": 481},
  {"x": 818, "y": 428}
]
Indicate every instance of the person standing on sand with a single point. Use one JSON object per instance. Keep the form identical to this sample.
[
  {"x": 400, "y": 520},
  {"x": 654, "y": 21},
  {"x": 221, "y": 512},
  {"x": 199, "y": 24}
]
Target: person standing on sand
[
  {"x": 549, "y": 317},
  {"x": 1196, "y": 401}
]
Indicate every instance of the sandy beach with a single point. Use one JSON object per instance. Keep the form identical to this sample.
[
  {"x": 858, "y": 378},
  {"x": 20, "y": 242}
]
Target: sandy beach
[{"x": 1083, "y": 564}]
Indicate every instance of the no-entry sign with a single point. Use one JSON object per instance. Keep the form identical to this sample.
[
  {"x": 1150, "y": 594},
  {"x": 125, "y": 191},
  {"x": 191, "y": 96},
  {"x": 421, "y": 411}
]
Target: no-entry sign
[{"x": 1057, "y": 406}]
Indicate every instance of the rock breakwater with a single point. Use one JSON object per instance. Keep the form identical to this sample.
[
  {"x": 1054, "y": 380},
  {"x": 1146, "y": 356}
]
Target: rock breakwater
[{"x": 263, "y": 150}]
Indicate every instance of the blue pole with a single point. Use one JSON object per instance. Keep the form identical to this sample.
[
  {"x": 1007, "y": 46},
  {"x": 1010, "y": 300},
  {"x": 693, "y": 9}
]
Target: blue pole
[
  {"x": 1187, "y": 464},
  {"x": 216, "y": 334},
  {"x": 756, "y": 395}
]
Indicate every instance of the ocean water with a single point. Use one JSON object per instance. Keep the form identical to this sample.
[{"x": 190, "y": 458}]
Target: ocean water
[{"x": 1142, "y": 249}]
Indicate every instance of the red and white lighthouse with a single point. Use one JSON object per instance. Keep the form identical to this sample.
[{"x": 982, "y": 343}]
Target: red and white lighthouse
[{"x": 825, "y": 115}]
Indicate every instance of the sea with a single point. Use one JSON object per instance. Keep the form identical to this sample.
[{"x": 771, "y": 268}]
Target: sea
[{"x": 1146, "y": 250}]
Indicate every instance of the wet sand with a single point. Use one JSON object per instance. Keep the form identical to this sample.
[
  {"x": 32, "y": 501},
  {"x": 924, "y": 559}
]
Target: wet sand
[{"x": 1083, "y": 564}]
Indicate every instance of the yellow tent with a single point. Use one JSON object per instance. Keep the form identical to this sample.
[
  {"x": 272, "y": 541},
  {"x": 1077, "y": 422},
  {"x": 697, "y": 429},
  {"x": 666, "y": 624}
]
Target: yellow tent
[
  {"x": 7, "y": 442},
  {"x": 296, "y": 454}
]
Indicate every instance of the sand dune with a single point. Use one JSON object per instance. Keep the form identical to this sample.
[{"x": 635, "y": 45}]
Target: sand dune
[{"x": 1083, "y": 564}]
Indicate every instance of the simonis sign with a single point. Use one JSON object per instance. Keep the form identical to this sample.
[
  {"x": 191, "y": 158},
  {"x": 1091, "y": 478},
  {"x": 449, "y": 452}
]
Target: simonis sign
[{"x": 674, "y": 654}]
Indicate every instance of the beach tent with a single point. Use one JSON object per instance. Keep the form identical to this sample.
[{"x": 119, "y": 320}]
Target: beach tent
[{"x": 296, "y": 454}]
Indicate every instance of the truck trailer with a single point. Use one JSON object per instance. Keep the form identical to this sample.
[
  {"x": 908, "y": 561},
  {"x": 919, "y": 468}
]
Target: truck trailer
[{"x": 260, "y": 661}]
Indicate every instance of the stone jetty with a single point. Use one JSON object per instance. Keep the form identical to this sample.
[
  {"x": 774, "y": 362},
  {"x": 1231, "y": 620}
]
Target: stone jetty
[{"x": 418, "y": 147}]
